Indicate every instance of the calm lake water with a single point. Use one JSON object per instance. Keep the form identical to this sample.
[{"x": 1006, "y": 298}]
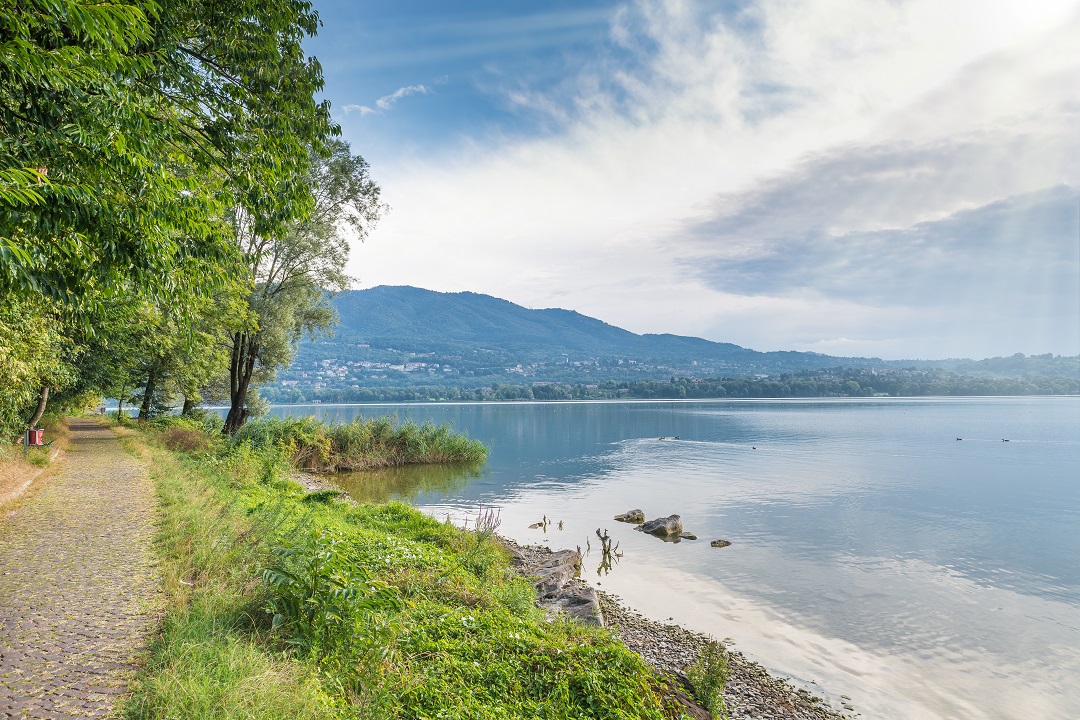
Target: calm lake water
[{"x": 874, "y": 555}]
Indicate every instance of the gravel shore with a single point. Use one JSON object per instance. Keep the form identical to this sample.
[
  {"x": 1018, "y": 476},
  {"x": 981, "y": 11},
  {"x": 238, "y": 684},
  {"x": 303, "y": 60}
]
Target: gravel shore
[{"x": 751, "y": 693}]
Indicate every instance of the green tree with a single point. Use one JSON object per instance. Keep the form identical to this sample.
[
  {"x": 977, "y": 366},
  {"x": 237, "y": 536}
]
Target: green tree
[
  {"x": 124, "y": 123},
  {"x": 294, "y": 271},
  {"x": 35, "y": 359}
]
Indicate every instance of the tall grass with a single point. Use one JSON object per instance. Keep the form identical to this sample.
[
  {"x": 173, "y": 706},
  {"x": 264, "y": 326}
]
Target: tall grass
[{"x": 360, "y": 444}]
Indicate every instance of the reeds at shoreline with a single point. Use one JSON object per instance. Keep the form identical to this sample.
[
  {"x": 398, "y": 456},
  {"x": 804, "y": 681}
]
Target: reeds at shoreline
[{"x": 317, "y": 446}]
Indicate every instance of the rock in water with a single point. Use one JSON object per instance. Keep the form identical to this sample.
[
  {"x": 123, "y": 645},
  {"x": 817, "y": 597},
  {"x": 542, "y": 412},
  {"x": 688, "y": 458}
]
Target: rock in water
[
  {"x": 631, "y": 516},
  {"x": 688, "y": 536},
  {"x": 662, "y": 527},
  {"x": 720, "y": 543}
]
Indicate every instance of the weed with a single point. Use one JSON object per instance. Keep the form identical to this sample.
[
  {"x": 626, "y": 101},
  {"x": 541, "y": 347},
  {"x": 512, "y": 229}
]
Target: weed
[
  {"x": 487, "y": 522},
  {"x": 317, "y": 588},
  {"x": 709, "y": 675},
  {"x": 372, "y": 443},
  {"x": 183, "y": 439},
  {"x": 282, "y": 608}
]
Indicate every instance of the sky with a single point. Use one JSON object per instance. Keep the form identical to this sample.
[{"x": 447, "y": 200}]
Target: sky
[{"x": 887, "y": 178}]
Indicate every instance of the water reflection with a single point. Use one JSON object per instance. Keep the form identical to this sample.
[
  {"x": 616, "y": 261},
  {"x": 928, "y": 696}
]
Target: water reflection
[
  {"x": 404, "y": 482},
  {"x": 872, "y": 551}
]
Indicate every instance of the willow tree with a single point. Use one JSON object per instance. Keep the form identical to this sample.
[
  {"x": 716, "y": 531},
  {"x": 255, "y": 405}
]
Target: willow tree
[{"x": 294, "y": 273}]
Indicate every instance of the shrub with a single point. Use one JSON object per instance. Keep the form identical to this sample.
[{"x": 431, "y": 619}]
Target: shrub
[
  {"x": 183, "y": 439},
  {"x": 709, "y": 675}
]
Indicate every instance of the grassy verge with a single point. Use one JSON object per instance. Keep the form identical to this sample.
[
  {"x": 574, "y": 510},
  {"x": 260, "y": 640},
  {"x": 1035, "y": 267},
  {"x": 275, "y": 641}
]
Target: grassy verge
[
  {"x": 288, "y": 605},
  {"x": 16, "y": 471}
]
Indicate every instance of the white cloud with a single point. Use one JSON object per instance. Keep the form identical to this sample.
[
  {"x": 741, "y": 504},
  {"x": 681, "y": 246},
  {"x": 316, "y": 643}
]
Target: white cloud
[
  {"x": 362, "y": 109},
  {"x": 387, "y": 101},
  {"x": 850, "y": 116}
]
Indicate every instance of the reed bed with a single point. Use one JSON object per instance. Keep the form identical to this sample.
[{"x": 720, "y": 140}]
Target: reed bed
[{"x": 362, "y": 444}]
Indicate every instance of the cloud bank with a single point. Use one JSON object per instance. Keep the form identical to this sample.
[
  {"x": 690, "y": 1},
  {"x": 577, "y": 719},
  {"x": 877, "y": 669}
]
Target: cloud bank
[{"x": 864, "y": 177}]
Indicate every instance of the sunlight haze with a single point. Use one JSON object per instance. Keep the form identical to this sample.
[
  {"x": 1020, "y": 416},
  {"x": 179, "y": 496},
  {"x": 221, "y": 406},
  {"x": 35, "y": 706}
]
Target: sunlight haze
[{"x": 892, "y": 179}]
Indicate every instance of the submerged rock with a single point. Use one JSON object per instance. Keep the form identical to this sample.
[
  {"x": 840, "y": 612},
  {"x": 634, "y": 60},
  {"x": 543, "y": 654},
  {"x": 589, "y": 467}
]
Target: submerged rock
[
  {"x": 720, "y": 543},
  {"x": 663, "y": 527},
  {"x": 631, "y": 516},
  {"x": 688, "y": 536}
]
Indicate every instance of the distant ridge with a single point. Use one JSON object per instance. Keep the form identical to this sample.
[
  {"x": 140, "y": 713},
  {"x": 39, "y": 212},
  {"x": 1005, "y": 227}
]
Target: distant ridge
[
  {"x": 406, "y": 343},
  {"x": 415, "y": 320}
]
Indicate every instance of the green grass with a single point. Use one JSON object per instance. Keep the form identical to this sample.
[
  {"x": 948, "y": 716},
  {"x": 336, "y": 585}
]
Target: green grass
[
  {"x": 284, "y": 605},
  {"x": 360, "y": 444}
]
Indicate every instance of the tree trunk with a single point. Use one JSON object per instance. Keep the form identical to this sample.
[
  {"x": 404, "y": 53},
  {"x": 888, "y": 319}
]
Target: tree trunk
[
  {"x": 148, "y": 395},
  {"x": 44, "y": 398},
  {"x": 241, "y": 368},
  {"x": 120, "y": 405},
  {"x": 189, "y": 405}
]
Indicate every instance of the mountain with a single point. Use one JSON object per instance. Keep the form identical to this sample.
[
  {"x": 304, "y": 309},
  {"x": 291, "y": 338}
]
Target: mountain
[
  {"x": 409, "y": 335},
  {"x": 420, "y": 321},
  {"x": 408, "y": 343}
]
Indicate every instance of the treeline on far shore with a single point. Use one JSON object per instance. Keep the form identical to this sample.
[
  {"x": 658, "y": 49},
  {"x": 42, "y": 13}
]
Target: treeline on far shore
[{"x": 823, "y": 383}]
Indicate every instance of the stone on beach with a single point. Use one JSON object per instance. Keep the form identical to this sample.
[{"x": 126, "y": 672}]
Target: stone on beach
[{"x": 554, "y": 577}]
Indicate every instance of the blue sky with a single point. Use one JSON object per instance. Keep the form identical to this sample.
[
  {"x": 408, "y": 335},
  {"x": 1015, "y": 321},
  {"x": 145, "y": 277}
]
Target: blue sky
[{"x": 898, "y": 178}]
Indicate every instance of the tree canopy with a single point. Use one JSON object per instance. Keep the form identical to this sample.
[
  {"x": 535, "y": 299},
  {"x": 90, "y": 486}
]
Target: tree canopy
[
  {"x": 141, "y": 143},
  {"x": 292, "y": 273},
  {"x": 127, "y": 129}
]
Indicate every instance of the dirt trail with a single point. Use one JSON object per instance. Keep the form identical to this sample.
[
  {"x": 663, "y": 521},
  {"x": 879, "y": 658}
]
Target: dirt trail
[{"x": 78, "y": 593}]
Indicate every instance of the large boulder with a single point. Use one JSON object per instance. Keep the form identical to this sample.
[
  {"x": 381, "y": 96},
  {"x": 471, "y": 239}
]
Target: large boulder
[
  {"x": 662, "y": 527},
  {"x": 631, "y": 516},
  {"x": 555, "y": 577}
]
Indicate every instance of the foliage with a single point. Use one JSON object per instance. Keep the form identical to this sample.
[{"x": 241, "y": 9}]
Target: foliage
[
  {"x": 124, "y": 124},
  {"x": 33, "y": 353},
  {"x": 184, "y": 439},
  {"x": 209, "y": 660},
  {"x": 319, "y": 593},
  {"x": 832, "y": 382},
  {"x": 462, "y": 639},
  {"x": 709, "y": 675},
  {"x": 132, "y": 134},
  {"x": 362, "y": 443}
]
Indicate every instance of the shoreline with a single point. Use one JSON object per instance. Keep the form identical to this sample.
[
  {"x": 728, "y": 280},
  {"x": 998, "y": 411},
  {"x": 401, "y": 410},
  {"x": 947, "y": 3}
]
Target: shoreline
[{"x": 751, "y": 693}]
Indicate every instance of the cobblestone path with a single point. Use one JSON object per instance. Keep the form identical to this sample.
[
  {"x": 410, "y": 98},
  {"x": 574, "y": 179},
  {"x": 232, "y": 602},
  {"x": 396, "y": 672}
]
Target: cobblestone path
[{"x": 77, "y": 585}]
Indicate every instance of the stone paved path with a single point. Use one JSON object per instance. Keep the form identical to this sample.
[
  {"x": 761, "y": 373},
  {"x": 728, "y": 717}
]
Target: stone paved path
[{"x": 78, "y": 594}]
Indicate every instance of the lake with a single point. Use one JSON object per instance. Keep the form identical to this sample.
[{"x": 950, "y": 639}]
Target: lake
[{"x": 874, "y": 554}]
